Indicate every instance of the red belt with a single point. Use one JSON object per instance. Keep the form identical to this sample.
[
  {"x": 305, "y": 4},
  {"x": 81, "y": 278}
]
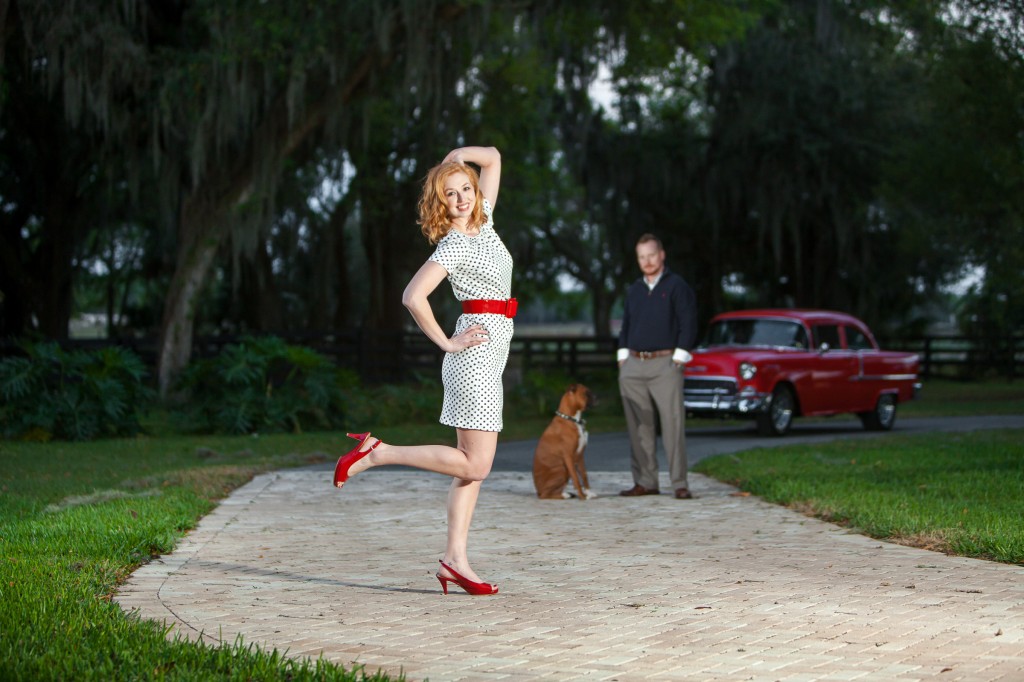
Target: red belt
[{"x": 507, "y": 308}]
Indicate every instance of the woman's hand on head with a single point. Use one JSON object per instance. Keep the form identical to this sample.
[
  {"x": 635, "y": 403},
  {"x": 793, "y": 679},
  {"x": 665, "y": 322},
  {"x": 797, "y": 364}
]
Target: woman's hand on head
[
  {"x": 454, "y": 155},
  {"x": 489, "y": 160},
  {"x": 473, "y": 335}
]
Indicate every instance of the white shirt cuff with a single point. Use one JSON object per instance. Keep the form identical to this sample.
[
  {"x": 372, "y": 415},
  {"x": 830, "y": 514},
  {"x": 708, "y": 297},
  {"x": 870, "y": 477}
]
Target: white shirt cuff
[{"x": 681, "y": 356}]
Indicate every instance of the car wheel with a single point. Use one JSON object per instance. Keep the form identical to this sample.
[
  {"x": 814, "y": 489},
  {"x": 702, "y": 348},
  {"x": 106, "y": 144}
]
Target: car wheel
[
  {"x": 883, "y": 416},
  {"x": 777, "y": 419}
]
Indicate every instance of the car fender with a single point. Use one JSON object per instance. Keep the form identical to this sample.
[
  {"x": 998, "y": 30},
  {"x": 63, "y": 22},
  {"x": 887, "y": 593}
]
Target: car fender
[
  {"x": 786, "y": 380},
  {"x": 795, "y": 379}
]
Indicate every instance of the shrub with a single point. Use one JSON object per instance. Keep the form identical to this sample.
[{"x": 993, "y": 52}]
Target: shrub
[
  {"x": 416, "y": 401},
  {"x": 76, "y": 395},
  {"x": 538, "y": 393},
  {"x": 262, "y": 385}
]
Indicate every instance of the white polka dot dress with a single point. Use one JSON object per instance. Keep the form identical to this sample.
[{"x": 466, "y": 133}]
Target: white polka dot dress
[{"x": 478, "y": 267}]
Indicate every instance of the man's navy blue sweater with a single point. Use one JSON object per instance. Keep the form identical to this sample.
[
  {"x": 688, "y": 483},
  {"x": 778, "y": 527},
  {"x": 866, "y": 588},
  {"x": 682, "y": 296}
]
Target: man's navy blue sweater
[{"x": 662, "y": 318}]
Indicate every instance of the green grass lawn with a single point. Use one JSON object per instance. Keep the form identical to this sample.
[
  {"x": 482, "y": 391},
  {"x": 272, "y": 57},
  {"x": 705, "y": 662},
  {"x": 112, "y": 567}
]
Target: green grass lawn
[
  {"x": 961, "y": 494},
  {"x": 948, "y": 398},
  {"x": 77, "y": 518}
]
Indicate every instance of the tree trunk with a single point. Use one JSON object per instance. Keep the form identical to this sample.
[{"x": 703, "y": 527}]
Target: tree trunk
[
  {"x": 602, "y": 301},
  {"x": 43, "y": 285},
  {"x": 336, "y": 312},
  {"x": 200, "y": 240},
  {"x": 54, "y": 313},
  {"x": 16, "y": 284},
  {"x": 258, "y": 301},
  {"x": 37, "y": 273},
  {"x": 111, "y": 293},
  {"x": 15, "y": 308},
  {"x": 394, "y": 249}
]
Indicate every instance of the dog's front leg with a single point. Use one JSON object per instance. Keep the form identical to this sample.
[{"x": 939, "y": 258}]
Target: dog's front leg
[
  {"x": 587, "y": 493},
  {"x": 570, "y": 466}
]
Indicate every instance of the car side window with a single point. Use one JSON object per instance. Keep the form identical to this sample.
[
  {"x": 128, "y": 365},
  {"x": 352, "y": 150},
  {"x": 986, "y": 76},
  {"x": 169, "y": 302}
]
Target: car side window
[
  {"x": 826, "y": 333},
  {"x": 856, "y": 340},
  {"x": 800, "y": 338}
]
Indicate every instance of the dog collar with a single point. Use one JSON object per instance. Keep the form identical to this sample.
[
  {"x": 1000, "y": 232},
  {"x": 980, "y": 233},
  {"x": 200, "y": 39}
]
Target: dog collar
[{"x": 578, "y": 420}]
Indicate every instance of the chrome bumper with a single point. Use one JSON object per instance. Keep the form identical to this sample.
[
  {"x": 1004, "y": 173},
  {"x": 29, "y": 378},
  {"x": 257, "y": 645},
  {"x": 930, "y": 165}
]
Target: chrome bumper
[{"x": 750, "y": 403}]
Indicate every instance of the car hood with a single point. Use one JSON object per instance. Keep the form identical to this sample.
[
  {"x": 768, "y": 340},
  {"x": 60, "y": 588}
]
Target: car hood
[{"x": 725, "y": 360}]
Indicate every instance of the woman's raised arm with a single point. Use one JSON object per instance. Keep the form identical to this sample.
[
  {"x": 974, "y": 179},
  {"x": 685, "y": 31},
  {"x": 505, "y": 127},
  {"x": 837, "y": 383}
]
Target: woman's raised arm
[{"x": 489, "y": 160}]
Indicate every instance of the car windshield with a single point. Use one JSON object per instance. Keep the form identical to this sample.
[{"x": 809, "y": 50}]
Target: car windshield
[{"x": 752, "y": 332}]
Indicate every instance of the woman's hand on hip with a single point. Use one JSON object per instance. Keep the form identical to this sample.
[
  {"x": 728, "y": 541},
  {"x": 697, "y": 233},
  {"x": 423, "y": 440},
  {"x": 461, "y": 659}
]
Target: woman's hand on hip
[{"x": 473, "y": 335}]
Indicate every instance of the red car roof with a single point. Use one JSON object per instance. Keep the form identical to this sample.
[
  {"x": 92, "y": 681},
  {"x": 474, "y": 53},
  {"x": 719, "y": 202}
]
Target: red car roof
[{"x": 802, "y": 314}]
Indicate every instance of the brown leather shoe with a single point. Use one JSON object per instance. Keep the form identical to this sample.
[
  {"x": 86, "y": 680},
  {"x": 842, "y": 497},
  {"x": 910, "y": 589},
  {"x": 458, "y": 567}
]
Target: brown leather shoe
[
  {"x": 683, "y": 494},
  {"x": 637, "y": 490}
]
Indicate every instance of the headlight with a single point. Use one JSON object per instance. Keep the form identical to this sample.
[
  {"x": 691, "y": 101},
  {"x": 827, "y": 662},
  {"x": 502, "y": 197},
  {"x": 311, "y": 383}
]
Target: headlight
[{"x": 747, "y": 370}]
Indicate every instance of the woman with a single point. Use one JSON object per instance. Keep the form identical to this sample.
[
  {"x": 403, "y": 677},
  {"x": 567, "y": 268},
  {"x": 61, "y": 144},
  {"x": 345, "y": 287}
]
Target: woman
[{"x": 455, "y": 214}]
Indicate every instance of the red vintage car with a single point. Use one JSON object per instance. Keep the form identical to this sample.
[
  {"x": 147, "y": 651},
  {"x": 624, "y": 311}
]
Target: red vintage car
[{"x": 776, "y": 364}]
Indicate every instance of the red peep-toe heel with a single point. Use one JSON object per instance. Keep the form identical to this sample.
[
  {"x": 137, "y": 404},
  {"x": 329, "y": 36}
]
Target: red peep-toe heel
[
  {"x": 476, "y": 589},
  {"x": 346, "y": 461}
]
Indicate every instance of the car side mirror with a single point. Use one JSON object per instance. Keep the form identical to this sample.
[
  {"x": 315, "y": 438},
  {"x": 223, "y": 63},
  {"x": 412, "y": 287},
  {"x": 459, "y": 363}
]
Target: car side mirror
[{"x": 824, "y": 347}]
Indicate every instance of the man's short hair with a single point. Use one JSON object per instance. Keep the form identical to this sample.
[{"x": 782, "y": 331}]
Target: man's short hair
[{"x": 648, "y": 237}]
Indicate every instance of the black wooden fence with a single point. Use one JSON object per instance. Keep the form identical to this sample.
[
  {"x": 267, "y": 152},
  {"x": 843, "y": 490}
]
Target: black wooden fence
[
  {"x": 965, "y": 357},
  {"x": 394, "y": 357}
]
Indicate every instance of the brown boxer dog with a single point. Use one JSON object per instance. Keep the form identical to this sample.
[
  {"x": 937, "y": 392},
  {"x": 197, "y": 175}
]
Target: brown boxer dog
[{"x": 559, "y": 453}]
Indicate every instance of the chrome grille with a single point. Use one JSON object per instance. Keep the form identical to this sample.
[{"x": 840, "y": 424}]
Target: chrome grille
[{"x": 698, "y": 388}]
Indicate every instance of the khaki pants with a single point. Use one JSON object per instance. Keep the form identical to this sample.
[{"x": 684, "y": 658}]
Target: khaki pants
[{"x": 646, "y": 386}]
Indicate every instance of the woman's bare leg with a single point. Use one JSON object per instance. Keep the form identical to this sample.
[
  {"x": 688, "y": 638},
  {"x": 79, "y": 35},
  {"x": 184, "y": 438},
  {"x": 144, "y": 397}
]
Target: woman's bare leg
[
  {"x": 468, "y": 464},
  {"x": 462, "y": 496},
  {"x": 471, "y": 460}
]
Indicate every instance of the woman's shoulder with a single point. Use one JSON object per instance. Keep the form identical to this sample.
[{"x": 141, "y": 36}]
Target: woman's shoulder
[{"x": 452, "y": 239}]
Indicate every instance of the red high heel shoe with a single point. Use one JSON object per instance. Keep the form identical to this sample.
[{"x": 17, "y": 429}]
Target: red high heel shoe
[
  {"x": 476, "y": 589},
  {"x": 346, "y": 461}
]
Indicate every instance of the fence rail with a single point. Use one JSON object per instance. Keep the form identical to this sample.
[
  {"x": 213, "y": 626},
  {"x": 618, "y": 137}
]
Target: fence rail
[
  {"x": 965, "y": 357},
  {"x": 394, "y": 357}
]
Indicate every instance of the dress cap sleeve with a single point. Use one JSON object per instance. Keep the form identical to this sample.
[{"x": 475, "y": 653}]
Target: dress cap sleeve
[{"x": 451, "y": 251}]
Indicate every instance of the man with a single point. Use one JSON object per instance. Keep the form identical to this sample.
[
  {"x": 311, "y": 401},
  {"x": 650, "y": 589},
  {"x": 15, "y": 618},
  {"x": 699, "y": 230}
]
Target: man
[{"x": 659, "y": 327}]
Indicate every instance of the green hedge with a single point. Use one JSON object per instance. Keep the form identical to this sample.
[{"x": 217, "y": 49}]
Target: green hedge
[
  {"x": 77, "y": 395},
  {"x": 258, "y": 385},
  {"x": 262, "y": 385}
]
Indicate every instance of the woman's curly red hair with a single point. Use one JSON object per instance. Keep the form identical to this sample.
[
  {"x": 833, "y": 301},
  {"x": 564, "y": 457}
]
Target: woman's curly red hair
[{"x": 434, "y": 220}]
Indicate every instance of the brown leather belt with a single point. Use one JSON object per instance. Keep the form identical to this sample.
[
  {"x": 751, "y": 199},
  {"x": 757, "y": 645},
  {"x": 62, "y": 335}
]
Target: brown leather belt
[
  {"x": 480, "y": 306},
  {"x": 648, "y": 354}
]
